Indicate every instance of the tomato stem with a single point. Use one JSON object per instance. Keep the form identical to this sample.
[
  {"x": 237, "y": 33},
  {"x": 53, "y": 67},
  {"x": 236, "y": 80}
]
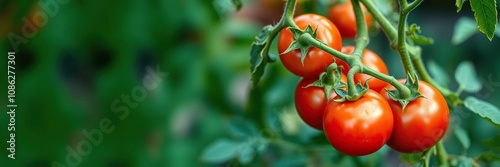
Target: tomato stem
[
  {"x": 401, "y": 40},
  {"x": 427, "y": 156},
  {"x": 441, "y": 153},
  {"x": 351, "y": 85},
  {"x": 386, "y": 25},
  {"x": 361, "y": 29},
  {"x": 424, "y": 75}
]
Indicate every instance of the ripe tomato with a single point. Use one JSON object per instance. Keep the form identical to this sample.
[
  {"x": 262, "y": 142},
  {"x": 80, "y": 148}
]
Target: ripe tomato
[
  {"x": 310, "y": 102},
  {"x": 371, "y": 60},
  {"x": 422, "y": 123},
  {"x": 358, "y": 127},
  {"x": 316, "y": 60},
  {"x": 342, "y": 15}
]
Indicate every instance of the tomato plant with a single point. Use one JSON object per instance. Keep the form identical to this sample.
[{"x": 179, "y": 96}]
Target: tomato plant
[
  {"x": 342, "y": 15},
  {"x": 371, "y": 108},
  {"x": 422, "y": 123},
  {"x": 310, "y": 102},
  {"x": 316, "y": 59},
  {"x": 359, "y": 127}
]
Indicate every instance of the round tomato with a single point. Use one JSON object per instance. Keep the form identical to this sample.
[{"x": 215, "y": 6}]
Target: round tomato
[
  {"x": 371, "y": 60},
  {"x": 358, "y": 127},
  {"x": 316, "y": 59},
  {"x": 310, "y": 102},
  {"x": 422, "y": 123},
  {"x": 342, "y": 15}
]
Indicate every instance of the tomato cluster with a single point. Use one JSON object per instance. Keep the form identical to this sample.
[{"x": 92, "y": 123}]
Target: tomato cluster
[{"x": 362, "y": 126}]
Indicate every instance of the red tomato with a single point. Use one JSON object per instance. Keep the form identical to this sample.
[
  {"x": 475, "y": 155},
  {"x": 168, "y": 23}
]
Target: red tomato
[
  {"x": 371, "y": 60},
  {"x": 342, "y": 15},
  {"x": 423, "y": 122},
  {"x": 310, "y": 102},
  {"x": 358, "y": 127},
  {"x": 316, "y": 60}
]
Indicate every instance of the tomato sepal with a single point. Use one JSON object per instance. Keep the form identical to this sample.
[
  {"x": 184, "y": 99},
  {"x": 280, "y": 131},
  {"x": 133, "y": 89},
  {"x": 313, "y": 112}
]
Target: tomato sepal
[
  {"x": 331, "y": 80},
  {"x": 296, "y": 44},
  {"x": 411, "y": 84}
]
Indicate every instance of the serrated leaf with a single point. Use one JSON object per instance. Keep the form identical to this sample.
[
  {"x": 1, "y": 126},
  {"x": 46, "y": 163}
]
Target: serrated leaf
[
  {"x": 483, "y": 109},
  {"x": 462, "y": 137},
  {"x": 485, "y": 12},
  {"x": 488, "y": 157},
  {"x": 464, "y": 29},
  {"x": 220, "y": 151},
  {"x": 459, "y": 4},
  {"x": 438, "y": 73},
  {"x": 467, "y": 78},
  {"x": 258, "y": 59},
  {"x": 492, "y": 144}
]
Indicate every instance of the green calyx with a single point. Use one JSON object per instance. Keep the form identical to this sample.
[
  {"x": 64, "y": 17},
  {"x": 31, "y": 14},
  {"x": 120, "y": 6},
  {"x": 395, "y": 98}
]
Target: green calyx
[
  {"x": 330, "y": 81},
  {"x": 360, "y": 90},
  {"x": 412, "y": 84},
  {"x": 303, "y": 46}
]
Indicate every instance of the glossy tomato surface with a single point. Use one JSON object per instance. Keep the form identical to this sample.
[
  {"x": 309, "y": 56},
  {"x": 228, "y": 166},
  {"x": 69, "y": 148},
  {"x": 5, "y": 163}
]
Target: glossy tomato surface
[
  {"x": 422, "y": 123},
  {"x": 371, "y": 60},
  {"x": 310, "y": 102},
  {"x": 316, "y": 60},
  {"x": 358, "y": 127},
  {"x": 342, "y": 15}
]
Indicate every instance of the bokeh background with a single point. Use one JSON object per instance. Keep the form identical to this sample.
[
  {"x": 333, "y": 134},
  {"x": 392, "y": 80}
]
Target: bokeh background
[{"x": 91, "y": 53}]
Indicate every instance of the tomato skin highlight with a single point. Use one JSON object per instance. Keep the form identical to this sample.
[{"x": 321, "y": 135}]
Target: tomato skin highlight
[
  {"x": 311, "y": 102},
  {"x": 316, "y": 59},
  {"x": 371, "y": 60},
  {"x": 423, "y": 122},
  {"x": 358, "y": 127},
  {"x": 342, "y": 15}
]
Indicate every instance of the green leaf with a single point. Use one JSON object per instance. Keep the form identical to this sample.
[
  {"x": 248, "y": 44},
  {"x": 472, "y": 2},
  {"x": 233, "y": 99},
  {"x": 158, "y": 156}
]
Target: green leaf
[
  {"x": 485, "y": 12},
  {"x": 258, "y": 59},
  {"x": 488, "y": 157},
  {"x": 459, "y": 4},
  {"x": 414, "y": 31},
  {"x": 242, "y": 128},
  {"x": 467, "y": 78},
  {"x": 246, "y": 154},
  {"x": 483, "y": 109},
  {"x": 492, "y": 144},
  {"x": 462, "y": 137},
  {"x": 464, "y": 29},
  {"x": 438, "y": 73},
  {"x": 220, "y": 151}
]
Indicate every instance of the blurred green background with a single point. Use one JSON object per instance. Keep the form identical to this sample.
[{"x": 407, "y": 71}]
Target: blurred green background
[{"x": 85, "y": 55}]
